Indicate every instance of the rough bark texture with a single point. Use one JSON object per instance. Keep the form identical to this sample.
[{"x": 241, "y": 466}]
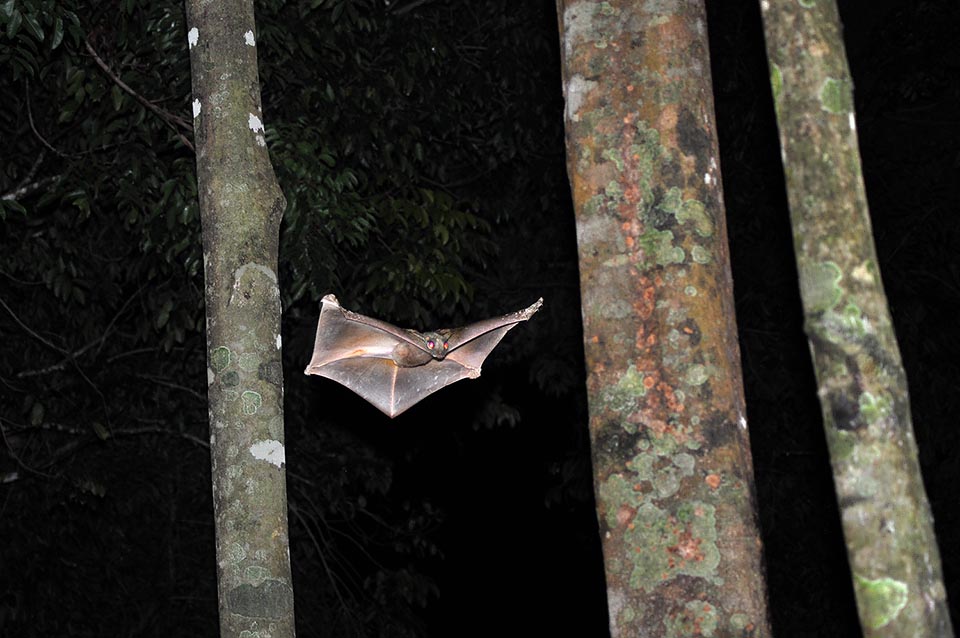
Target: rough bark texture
[
  {"x": 862, "y": 387},
  {"x": 672, "y": 467},
  {"x": 241, "y": 206}
]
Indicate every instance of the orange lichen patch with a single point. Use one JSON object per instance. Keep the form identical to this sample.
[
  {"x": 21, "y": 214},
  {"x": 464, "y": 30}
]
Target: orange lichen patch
[
  {"x": 713, "y": 480},
  {"x": 648, "y": 382},
  {"x": 632, "y": 194},
  {"x": 595, "y": 339},
  {"x": 670, "y": 397},
  {"x": 629, "y": 88},
  {"x": 687, "y": 548},
  {"x": 629, "y": 241}
]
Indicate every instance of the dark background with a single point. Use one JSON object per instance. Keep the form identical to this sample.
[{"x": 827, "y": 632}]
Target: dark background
[{"x": 472, "y": 513}]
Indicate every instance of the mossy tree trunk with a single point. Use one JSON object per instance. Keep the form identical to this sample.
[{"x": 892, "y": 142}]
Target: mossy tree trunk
[
  {"x": 862, "y": 387},
  {"x": 672, "y": 468},
  {"x": 241, "y": 206}
]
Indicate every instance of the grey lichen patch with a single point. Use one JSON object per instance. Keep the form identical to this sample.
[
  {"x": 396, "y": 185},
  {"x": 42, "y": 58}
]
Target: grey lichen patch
[
  {"x": 663, "y": 546},
  {"x": 740, "y": 621},
  {"x": 629, "y": 388},
  {"x": 616, "y": 310},
  {"x": 836, "y": 96},
  {"x": 880, "y": 600},
  {"x": 255, "y": 574},
  {"x": 234, "y": 554},
  {"x": 662, "y": 475},
  {"x": 700, "y": 254},
  {"x": 807, "y": 4},
  {"x": 697, "y": 618},
  {"x": 230, "y": 379},
  {"x": 249, "y": 361},
  {"x": 248, "y": 278},
  {"x": 697, "y": 374},
  {"x": 251, "y": 401},
  {"x": 220, "y": 359},
  {"x": 269, "y": 599},
  {"x": 820, "y": 286},
  {"x": 230, "y": 395}
]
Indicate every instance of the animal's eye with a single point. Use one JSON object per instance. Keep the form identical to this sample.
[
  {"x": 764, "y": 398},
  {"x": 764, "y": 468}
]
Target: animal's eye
[
  {"x": 446, "y": 345},
  {"x": 431, "y": 343}
]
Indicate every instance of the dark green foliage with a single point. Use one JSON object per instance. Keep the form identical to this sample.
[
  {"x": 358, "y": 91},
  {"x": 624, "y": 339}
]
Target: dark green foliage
[{"x": 416, "y": 144}]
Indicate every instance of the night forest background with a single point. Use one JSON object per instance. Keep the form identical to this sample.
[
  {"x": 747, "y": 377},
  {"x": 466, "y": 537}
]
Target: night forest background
[{"x": 420, "y": 147}]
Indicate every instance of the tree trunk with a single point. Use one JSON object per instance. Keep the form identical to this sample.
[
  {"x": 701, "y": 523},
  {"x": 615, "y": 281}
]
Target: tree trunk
[
  {"x": 672, "y": 468},
  {"x": 862, "y": 386},
  {"x": 241, "y": 206}
]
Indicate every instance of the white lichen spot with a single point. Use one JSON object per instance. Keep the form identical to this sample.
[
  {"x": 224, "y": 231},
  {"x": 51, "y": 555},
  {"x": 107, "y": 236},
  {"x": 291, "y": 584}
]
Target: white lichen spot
[
  {"x": 270, "y": 451},
  {"x": 210, "y": 376},
  {"x": 577, "y": 89},
  {"x": 193, "y": 36},
  {"x": 248, "y": 38},
  {"x": 279, "y": 340},
  {"x": 196, "y": 108},
  {"x": 261, "y": 141},
  {"x": 254, "y": 123},
  {"x": 852, "y": 120},
  {"x": 707, "y": 178},
  {"x": 743, "y": 422},
  {"x": 765, "y": 5}
]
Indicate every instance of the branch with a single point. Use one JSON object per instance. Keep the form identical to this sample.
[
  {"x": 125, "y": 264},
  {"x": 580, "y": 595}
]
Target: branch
[{"x": 173, "y": 121}]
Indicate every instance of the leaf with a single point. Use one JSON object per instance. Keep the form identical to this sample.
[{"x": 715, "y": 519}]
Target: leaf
[
  {"x": 14, "y": 25},
  {"x": 57, "y": 36},
  {"x": 33, "y": 27}
]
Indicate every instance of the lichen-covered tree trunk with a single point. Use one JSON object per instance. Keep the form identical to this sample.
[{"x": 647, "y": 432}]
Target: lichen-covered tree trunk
[
  {"x": 862, "y": 387},
  {"x": 672, "y": 468},
  {"x": 241, "y": 206}
]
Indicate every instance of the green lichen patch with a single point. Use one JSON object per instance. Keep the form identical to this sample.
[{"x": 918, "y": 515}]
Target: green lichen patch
[
  {"x": 836, "y": 96},
  {"x": 842, "y": 444},
  {"x": 659, "y": 248},
  {"x": 820, "y": 285},
  {"x": 880, "y": 600},
  {"x": 873, "y": 408},
  {"x": 627, "y": 392},
  {"x": 694, "y": 212},
  {"x": 620, "y": 497},
  {"x": 662, "y": 546},
  {"x": 697, "y": 618},
  {"x": 251, "y": 401},
  {"x": 230, "y": 379},
  {"x": 220, "y": 359},
  {"x": 853, "y": 321},
  {"x": 776, "y": 83}
]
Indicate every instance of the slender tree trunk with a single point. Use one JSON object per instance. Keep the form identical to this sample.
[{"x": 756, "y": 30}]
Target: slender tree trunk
[
  {"x": 672, "y": 467},
  {"x": 862, "y": 386},
  {"x": 241, "y": 206}
]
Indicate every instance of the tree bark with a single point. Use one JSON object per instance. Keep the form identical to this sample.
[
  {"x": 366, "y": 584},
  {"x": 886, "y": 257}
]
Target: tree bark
[
  {"x": 862, "y": 385},
  {"x": 241, "y": 206},
  {"x": 672, "y": 467}
]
